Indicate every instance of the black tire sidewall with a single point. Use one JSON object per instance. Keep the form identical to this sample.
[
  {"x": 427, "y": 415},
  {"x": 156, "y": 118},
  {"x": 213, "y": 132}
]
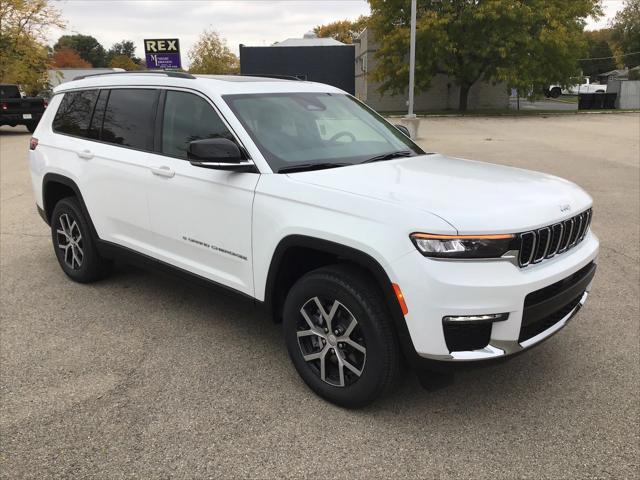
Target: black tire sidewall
[{"x": 376, "y": 368}]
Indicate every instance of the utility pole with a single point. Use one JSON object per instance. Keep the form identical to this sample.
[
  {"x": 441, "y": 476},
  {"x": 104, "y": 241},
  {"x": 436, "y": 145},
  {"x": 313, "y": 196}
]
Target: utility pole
[
  {"x": 412, "y": 58},
  {"x": 410, "y": 120}
]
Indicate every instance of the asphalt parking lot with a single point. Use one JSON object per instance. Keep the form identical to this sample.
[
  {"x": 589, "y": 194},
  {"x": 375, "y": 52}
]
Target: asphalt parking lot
[{"x": 145, "y": 376}]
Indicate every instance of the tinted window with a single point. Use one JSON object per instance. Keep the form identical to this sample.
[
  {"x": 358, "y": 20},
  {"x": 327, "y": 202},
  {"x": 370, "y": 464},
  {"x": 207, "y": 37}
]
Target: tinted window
[
  {"x": 74, "y": 113},
  {"x": 9, "y": 91},
  {"x": 98, "y": 115},
  {"x": 188, "y": 117},
  {"x": 129, "y": 118}
]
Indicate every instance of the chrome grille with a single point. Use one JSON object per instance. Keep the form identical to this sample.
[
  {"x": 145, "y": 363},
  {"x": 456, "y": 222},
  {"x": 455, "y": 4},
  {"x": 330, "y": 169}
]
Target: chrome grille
[{"x": 538, "y": 245}]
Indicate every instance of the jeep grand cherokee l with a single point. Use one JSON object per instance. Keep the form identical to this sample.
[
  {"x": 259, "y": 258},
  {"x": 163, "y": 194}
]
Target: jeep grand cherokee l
[{"x": 371, "y": 252}]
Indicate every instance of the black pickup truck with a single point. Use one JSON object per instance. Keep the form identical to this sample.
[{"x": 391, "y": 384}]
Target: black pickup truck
[{"x": 18, "y": 110}]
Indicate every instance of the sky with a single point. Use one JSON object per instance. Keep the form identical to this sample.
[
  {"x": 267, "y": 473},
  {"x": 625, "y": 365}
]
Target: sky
[{"x": 257, "y": 22}]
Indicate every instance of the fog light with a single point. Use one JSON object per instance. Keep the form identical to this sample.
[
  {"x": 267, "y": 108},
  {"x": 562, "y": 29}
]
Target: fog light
[{"x": 467, "y": 319}]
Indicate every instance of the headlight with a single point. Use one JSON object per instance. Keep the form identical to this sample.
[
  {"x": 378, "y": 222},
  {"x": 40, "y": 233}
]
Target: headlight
[{"x": 462, "y": 246}]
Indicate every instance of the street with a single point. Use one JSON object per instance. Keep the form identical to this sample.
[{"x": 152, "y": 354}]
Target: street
[{"x": 146, "y": 376}]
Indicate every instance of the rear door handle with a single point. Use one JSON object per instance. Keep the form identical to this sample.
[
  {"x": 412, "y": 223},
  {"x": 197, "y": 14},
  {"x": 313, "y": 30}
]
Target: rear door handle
[
  {"x": 86, "y": 154},
  {"x": 163, "y": 171}
]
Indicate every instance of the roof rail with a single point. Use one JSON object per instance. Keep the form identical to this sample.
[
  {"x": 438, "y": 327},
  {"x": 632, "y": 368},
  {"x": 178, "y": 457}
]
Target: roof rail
[
  {"x": 135, "y": 72},
  {"x": 271, "y": 75}
]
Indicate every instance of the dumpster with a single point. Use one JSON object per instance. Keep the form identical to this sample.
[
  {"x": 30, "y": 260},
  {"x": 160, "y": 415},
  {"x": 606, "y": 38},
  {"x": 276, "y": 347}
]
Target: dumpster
[
  {"x": 585, "y": 101},
  {"x": 610, "y": 100},
  {"x": 596, "y": 101}
]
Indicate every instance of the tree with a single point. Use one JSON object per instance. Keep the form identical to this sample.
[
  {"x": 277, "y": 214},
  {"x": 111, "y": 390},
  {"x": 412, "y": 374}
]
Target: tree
[
  {"x": 344, "y": 31},
  {"x": 87, "y": 47},
  {"x": 125, "y": 48},
  {"x": 23, "y": 31},
  {"x": 599, "y": 57},
  {"x": 525, "y": 44},
  {"x": 123, "y": 61},
  {"x": 626, "y": 33},
  {"x": 210, "y": 54},
  {"x": 68, "y": 58}
]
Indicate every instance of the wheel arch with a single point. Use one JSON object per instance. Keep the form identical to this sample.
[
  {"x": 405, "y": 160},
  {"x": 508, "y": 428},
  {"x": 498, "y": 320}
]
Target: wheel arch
[
  {"x": 279, "y": 281},
  {"x": 55, "y": 187}
]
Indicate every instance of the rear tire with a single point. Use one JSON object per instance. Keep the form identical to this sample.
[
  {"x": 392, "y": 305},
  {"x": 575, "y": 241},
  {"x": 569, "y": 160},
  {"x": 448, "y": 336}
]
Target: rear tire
[
  {"x": 555, "y": 92},
  {"x": 345, "y": 348},
  {"x": 74, "y": 245}
]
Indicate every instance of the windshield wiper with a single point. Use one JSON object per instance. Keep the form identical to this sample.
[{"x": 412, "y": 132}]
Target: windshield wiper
[
  {"x": 302, "y": 167},
  {"x": 389, "y": 156}
]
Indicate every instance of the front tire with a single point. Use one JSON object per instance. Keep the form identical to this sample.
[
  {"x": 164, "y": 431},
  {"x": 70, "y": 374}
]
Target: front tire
[
  {"x": 340, "y": 337},
  {"x": 73, "y": 244}
]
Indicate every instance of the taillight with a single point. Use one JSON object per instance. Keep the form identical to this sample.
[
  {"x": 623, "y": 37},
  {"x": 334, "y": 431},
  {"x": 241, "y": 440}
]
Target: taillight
[
  {"x": 33, "y": 143},
  {"x": 3, "y": 106},
  {"x": 46, "y": 104}
]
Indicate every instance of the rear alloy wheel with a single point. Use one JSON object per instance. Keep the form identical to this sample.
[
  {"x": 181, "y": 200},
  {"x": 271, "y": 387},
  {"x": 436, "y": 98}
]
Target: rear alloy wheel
[
  {"x": 75, "y": 248},
  {"x": 340, "y": 337},
  {"x": 70, "y": 241}
]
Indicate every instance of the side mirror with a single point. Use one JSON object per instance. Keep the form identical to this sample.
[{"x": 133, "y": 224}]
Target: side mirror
[
  {"x": 404, "y": 130},
  {"x": 219, "y": 154}
]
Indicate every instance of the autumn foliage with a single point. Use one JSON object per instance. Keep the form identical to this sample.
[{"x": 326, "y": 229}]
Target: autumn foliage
[
  {"x": 69, "y": 58},
  {"x": 211, "y": 54}
]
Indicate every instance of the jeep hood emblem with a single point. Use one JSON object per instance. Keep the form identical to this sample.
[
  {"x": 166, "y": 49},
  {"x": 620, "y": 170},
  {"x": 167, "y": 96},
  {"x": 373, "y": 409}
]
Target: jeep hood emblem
[{"x": 565, "y": 208}]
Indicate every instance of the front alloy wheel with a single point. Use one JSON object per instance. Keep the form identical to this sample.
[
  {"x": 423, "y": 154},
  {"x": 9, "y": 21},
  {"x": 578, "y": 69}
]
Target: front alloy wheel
[
  {"x": 339, "y": 335},
  {"x": 331, "y": 341}
]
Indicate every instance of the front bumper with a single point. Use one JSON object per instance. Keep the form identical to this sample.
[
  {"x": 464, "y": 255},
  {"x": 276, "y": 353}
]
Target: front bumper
[{"x": 434, "y": 289}]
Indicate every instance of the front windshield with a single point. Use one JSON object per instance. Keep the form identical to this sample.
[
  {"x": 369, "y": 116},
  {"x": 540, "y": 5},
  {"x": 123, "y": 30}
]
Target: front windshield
[{"x": 294, "y": 128}]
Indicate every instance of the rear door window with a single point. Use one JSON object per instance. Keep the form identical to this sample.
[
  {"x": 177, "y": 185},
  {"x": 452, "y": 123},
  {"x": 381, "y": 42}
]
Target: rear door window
[
  {"x": 98, "y": 115},
  {"x": 74, "y": 113},
  {"x": 129, "y": 118},
  {"x": 188, "y": 117}
]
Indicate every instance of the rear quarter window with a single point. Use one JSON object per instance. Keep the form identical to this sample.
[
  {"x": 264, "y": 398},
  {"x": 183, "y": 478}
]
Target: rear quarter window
[{"x": 74, "y": 113}]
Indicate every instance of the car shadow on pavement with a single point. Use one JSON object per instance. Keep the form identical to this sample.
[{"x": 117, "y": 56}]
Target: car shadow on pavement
[
  {"x": 14, "y": 131},
  {"x": 245, "y": 326}
]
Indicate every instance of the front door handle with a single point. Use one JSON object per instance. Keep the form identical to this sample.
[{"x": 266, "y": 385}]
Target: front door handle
[
  {"x": 163, "y": 171},
  {"x": 86, "y": 154}
]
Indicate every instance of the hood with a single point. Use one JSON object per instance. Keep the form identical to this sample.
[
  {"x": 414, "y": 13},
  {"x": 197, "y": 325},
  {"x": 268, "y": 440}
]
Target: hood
[{"x": 474, "y": 197}]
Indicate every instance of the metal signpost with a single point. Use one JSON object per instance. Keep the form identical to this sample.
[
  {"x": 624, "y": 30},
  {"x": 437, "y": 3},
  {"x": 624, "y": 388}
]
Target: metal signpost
[{"x": 163, "y": 54}]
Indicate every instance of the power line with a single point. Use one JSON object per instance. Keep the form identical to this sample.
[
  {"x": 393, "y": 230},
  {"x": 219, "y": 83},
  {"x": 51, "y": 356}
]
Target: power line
[{"x": 605, "y": 58}]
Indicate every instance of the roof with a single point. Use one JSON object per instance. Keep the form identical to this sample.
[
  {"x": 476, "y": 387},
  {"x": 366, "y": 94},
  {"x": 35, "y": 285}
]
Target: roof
[
  {"x": 614, "y": 72},
  {"x": 310, "y": 39},
  {"x": 309, "y": 42},
  {"x": 89, "y": 69},
  {"x": 212, "y": 84}
]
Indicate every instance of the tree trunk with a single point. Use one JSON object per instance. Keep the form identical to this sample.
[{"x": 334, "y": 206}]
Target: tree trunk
[{"x": 464, "y": 97}]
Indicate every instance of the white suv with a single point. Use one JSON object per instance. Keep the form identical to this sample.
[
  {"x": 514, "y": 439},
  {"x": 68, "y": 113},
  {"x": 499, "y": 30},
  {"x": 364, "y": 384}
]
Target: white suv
[{"x": 297, "y": 196}]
